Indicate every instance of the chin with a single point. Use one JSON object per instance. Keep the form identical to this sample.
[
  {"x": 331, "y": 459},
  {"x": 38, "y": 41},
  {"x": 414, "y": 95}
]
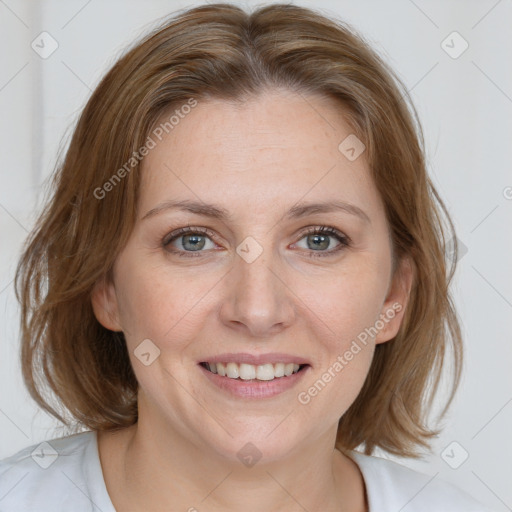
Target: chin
[{"x": 259, "y": 442}]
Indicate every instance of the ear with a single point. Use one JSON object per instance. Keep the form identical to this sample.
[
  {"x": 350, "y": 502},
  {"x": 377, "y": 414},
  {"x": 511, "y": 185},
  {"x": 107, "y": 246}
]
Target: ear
[
  {"x": 394, "y": 306},
  {"x": 104, "y": 304}
]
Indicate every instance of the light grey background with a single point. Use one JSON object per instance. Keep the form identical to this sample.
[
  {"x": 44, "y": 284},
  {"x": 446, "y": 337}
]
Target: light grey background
[{"x": 465, "y": 105}]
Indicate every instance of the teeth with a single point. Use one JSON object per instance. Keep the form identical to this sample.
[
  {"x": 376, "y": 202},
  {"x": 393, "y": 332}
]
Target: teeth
[
  {"x": 279, "y": 370},
  {"x": 249, "y": 372},
  {"x": 221, "y": 369},
  {"x": 265, "y": 372},
  {"x": 232, "y": 371}
]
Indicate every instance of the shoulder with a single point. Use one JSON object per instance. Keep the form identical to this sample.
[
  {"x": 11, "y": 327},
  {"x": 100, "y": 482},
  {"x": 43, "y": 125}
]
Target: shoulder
[
  {"x": 393, "y": 486},
  {"x": 59, "y": 474}
]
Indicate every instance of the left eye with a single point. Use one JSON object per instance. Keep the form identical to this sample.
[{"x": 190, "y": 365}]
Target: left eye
[{"x": 194, "y": 240}]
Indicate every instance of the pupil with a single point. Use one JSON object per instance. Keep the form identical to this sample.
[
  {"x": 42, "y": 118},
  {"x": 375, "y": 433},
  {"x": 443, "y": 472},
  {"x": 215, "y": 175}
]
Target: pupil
[
  {"x": 196, "y": 240},
  {"x": 317, "y": 238}
]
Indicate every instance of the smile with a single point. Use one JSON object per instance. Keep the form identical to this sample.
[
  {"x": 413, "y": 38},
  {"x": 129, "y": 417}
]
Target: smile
[
  {"x": 254, "y": 381},
  {"x": 243, "y": 371}
]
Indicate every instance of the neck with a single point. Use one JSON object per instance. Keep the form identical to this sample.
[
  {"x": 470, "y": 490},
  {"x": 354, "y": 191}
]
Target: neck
[{"x": 157, "y": 468}]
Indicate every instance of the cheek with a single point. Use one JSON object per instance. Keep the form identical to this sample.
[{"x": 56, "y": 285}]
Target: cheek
[
  {"x": 345, "y": 303},
  {"x": 346, "y": 347},
  {"x": 332, "y": 388},
  {"x": 341, "y": 317},
  {"x": 157, "y": 304}
]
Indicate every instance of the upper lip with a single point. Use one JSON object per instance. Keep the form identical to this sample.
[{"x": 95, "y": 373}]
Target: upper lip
[{"x": 255, "y": 359}]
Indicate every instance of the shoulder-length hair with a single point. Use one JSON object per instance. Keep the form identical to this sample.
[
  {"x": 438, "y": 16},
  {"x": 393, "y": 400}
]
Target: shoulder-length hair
[{"x": 79, "y": 371}]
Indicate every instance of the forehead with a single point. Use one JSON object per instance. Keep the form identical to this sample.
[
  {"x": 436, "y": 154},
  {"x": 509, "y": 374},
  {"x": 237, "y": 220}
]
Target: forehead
[{"x": 274, "y": 149}]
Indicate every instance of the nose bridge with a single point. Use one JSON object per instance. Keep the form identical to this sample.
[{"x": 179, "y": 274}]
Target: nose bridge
[{"x": 257, "y": 296}]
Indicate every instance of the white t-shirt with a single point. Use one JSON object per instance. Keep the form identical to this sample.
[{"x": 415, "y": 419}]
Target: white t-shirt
[{"x": 65, "y": 474}]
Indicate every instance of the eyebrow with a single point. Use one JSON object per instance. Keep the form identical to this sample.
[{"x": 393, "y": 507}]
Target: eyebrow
[{"x": 220, "y": 213}]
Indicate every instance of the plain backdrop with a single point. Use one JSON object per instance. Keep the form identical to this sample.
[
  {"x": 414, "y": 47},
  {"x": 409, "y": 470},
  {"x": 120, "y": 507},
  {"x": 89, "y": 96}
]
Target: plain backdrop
[{"x": 465, "y": 105}]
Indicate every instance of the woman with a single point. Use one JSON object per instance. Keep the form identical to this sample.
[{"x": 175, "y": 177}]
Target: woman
[{"x": 238, "y": 280}]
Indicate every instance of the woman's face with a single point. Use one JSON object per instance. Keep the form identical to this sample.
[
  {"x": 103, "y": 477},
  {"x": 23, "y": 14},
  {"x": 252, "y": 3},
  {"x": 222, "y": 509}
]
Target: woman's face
[{"x": 255, "y": 284}]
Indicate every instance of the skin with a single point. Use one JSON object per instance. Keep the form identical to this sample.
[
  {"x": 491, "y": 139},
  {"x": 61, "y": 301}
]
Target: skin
[{"x": 257, "y": 160}]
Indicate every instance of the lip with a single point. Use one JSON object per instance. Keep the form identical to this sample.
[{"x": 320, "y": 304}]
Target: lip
[
  {"x": 254, "y": 389},
  {"x": 256, "y": 359}
]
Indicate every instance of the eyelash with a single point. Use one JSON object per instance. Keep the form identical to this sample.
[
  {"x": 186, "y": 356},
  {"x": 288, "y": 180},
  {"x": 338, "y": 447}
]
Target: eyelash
[{"x": 322, "y": 230}]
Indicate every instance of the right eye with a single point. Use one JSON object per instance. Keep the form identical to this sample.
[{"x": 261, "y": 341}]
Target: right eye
[{"x": 191, "y": 239}]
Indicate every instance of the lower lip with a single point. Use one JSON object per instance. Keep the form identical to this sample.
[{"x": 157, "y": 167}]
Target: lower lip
[{"x": 255, "y": 388}]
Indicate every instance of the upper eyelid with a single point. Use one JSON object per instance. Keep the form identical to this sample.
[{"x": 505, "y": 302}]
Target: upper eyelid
[{"x": 187, "y": 230}]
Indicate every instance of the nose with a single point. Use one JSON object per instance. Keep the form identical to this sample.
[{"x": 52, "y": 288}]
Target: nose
[{"x": 258, "y": 301}]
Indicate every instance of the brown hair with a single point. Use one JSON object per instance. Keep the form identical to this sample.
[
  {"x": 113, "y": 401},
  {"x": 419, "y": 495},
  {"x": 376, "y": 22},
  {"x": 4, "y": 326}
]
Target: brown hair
[{"x": 223, "y": 52}]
